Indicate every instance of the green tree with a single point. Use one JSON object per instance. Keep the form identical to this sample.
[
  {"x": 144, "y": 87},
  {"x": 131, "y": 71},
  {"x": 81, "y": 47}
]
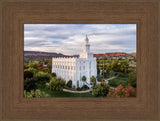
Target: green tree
[
  {"x": 29, "y": 94},
  {"x": 25, "y": 66},
  {"x": 112, "y": 83},
  {"x": 33, "y": 70},
  {"x": 83, "y": 78},
  {"x": 42, "y": 78},
  {"x": 53, "y": 74},
  {"x": 36, "y": 93},
  {"x": 34, "y": 65},
  {"x": 132, "y": 79},
  {"x": 46, "y": 70},
  {"x": 69, "y": 83},
  {"x": 49, "y": 65},
  {"x": 98, "y": 78},
  {"x": 111, "y": 73},
  {"x": 29, "y": 84},
  {"x": 101, "y": 89},
  {"x": 93, "y": 81},
  {"x": 98, "y": 70},
  {"x": 28, "y": 74},
  {"x": 57, "y": 84},
  {"x": 113, "y": 66},
  {"x": 124, "y": 66}
]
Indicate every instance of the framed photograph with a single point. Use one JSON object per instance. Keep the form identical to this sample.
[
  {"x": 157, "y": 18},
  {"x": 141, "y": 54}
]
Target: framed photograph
[
  {"x": 79, "y": 60},
  {"x": 57, "y": 63}
]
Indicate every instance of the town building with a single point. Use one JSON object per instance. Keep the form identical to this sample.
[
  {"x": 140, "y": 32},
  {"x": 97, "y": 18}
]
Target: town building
[{"x": 74, "y": 68}]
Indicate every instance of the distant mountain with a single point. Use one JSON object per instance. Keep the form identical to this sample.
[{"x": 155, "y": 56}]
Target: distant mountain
[
  {"x": 114, "y": 54},
  {"x": 133, "y": 54},
  {"x": 48, "y": 55},
  {"x": 41, "y": 55},
  {"x": 37, "y": 52}
]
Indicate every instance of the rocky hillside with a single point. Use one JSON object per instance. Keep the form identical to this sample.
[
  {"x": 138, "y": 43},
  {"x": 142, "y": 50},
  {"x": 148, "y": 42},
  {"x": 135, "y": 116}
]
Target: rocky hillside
[{"x": 114, "y": 54}]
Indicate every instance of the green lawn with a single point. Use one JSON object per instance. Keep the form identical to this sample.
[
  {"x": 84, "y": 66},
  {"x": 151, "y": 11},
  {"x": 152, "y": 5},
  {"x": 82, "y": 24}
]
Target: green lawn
[
  {"x": 106, "y": 77},
  {"x": 66, "y": 94},
  {"x": 124, "y": 80}
]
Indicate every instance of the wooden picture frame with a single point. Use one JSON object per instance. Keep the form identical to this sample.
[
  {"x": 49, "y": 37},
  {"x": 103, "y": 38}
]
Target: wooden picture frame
[{"x": 16, "y": 13}]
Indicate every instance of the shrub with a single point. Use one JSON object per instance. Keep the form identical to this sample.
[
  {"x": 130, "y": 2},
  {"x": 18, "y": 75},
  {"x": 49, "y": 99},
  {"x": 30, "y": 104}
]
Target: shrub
[
  {"x": 28, "y": 94},
  {"x": 84, "y": 87},
  {"x": 111, "y": 73},
  {"x": 57, "y": 84},
  {"x": 29, "y": 84},
  {"x": 39, "y": 93},
  {"x": 112, "y": 83},
  {"x": 132, "y": 79},
  {"x": 120, "y": 74},
  {"x": 119, "y": 92},
  {"x": 34, "y": 65},
  {"x": 93, "y": 81},
  {"x": 25, "y": 66},
  {"x": 130, "y": 91},
  {"x": 36, "y": 93},
  {"x": 101, "y": 89},
  {"x": 53, "y": 74},
  {"x": 98, "y": 78},
  {"x": 79, "y": 89},
  {"x": 122, "y": 92},
  {"x": 42, "y": 78},
  {"x": 33, "y": 70},
  {"x": 28, "y": 74},
  {"x": 69, "y": 83},
  {"x": 46, "y": 70}
]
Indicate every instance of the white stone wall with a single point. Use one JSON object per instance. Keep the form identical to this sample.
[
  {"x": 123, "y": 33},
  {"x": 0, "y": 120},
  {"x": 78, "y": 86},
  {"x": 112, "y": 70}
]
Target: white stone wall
[
  {"x": 75, "y": 68},
  {"x": 64, "y": 67},
  {"x": 87, "y": 68}
]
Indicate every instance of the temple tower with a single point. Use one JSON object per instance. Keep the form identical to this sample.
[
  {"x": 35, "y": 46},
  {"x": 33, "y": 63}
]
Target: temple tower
[{"x": 86, "y": 46}]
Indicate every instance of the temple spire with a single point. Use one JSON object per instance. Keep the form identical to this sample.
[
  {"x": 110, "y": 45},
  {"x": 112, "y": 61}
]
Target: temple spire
[
  {"x": 86, "y": 37},
  {"x": 86, "y": 40},
  {"x": 86, "y": 46},
  {"x": 86, "y": 49}
]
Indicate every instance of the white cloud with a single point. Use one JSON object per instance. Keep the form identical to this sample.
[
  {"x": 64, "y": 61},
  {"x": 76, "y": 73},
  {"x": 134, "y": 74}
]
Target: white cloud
[{"x": 69, "y": 38}]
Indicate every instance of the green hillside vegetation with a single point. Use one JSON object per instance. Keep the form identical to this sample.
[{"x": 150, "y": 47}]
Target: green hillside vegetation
[{"x": 40, "y": 82}]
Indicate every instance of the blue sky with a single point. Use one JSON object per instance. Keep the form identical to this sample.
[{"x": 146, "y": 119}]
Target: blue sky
[{"x": 69, "y": 38}]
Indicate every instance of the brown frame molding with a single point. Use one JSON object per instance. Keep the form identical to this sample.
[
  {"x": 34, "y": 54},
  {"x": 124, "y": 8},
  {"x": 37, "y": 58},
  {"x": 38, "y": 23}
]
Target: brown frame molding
[{"x": 16, "y": 13}]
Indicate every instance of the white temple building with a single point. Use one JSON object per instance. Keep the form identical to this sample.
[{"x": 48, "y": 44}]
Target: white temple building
[{"x": 73, "y": 68}]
